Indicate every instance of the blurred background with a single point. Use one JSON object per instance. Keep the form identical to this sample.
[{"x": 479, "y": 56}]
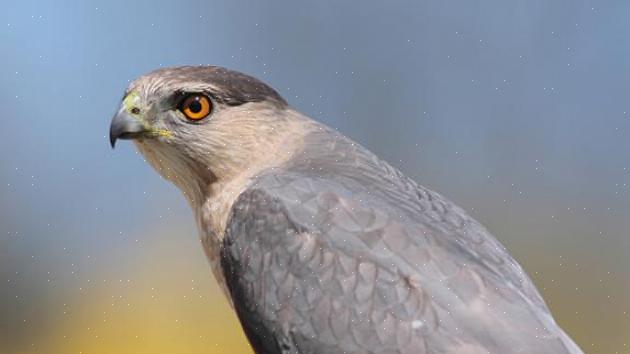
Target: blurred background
[{"x": 518, "y": 111}]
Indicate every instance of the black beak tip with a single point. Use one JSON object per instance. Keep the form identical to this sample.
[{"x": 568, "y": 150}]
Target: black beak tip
[{"x": 112, "y": 139}]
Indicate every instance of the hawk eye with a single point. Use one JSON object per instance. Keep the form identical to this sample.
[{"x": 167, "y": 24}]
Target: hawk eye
[{"x": 196, "y": 107}]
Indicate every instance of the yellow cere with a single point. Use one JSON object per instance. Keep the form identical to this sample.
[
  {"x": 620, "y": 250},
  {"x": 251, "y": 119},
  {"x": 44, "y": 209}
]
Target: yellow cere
[{"x": 130, "y": 101}]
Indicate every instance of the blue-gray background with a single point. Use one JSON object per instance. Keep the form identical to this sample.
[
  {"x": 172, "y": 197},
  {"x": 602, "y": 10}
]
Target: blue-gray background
[{"x": 517, "y": 110}]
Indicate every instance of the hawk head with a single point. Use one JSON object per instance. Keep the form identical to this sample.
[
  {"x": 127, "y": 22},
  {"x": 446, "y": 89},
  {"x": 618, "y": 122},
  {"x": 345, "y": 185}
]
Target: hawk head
[{"x": 197, "y": 125}]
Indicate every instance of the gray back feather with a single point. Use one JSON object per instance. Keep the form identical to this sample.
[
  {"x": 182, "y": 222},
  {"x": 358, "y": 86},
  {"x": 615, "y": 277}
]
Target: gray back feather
[{"x": 338, "y": 252}]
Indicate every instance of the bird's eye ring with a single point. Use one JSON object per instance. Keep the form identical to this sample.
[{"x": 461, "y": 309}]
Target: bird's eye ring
[{"x": 196, "y": 107}]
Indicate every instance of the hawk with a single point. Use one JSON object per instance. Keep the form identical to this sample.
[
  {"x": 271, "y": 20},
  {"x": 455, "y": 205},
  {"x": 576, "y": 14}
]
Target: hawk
[{"x": 319, "y": 245}]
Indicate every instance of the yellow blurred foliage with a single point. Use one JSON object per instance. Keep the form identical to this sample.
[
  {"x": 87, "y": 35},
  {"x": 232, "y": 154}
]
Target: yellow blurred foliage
[{"x": 164, "y": 301}]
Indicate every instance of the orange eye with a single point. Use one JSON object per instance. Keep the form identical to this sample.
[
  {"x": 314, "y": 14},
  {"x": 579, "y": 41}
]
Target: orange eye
[{"x": 196, "y": 107}]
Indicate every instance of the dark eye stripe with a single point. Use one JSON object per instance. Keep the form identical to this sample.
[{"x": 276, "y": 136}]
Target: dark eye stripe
[{"x": 178, "y": 97}]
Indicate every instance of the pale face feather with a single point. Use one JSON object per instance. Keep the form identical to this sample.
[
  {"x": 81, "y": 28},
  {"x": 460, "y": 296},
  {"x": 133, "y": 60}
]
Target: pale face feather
[{"x": 212, "y": 160}]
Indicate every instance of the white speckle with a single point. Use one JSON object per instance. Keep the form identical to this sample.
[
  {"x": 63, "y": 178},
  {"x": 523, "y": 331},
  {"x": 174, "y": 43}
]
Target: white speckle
[{"x": 416, "y": 324}]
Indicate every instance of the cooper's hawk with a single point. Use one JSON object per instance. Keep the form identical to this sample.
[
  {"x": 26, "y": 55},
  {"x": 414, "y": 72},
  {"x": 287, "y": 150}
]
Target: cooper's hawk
[{"x": 321, "y": 246}]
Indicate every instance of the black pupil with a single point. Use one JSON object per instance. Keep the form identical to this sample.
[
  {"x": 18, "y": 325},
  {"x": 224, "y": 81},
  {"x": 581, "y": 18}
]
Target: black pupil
[{"x": 195, "y": 106}]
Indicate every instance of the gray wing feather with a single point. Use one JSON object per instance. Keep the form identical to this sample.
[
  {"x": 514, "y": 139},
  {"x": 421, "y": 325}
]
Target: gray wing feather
[{"x": 343, "y": 260}]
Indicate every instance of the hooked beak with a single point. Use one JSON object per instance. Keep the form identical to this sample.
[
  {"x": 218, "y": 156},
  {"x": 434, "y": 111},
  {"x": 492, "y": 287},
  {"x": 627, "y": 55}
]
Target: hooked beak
[{"x": 125, "y": 126}]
